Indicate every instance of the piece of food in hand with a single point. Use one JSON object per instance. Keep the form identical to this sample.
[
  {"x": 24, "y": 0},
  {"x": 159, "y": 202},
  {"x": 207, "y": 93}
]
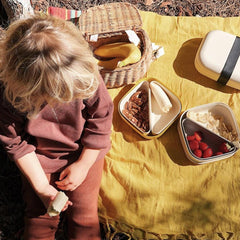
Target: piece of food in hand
[
  {"x": 194, "y": 144},
  {"x": 224, "y": 147},
  {"x": 161, "y": 97},
  {"x": 57, "y": 204},
  {"x": 207, "y": 153}
]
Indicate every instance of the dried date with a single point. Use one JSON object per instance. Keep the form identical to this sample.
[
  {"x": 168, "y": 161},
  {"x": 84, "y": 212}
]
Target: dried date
[{"x": 136, "y": 110}]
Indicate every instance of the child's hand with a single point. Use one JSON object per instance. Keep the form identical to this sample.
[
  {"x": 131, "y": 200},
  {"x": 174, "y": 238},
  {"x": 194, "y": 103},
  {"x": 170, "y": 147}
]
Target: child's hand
[
  {"x": 68, "y": 203},
  {"x": 71, "y": 177},
  {"x": 47, "y": 194}
]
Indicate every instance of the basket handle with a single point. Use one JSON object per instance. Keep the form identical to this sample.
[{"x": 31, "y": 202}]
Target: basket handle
[{"x": 158, "y": 51}]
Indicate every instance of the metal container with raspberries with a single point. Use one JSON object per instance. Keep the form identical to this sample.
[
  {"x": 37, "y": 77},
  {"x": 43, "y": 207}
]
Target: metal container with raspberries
[
  {"x": 149, "y": 108},
  {"x": 209, "y": 133}
]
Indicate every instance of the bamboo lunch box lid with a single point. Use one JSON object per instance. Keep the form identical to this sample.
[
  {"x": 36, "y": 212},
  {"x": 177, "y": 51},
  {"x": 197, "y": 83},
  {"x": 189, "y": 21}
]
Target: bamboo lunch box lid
[{"x": 218, "y": 58}]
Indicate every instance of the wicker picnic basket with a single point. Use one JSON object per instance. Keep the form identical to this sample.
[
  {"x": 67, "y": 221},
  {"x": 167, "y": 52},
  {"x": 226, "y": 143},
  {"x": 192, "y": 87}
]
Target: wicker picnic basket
[{"x": 109, "y": 22}]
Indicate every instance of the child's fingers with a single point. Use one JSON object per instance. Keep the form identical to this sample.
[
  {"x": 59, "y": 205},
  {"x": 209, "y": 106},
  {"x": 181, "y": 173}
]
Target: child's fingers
[
  {"x": 66, "y": 187},
  {"x": 69, "y": 203},
  {"x": 63, "y": 174},
  {"x": 61, "y": 183},
  {"x": 52, "y": 198}
]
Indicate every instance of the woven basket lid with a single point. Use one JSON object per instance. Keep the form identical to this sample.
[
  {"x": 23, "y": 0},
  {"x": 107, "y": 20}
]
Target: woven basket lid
[{"x": 110, "y": 17}]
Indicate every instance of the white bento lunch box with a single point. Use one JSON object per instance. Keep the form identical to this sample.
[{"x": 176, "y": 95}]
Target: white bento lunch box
[
  {"x": 218, "y": 58},
  {"x": 154, "y": 116},
  {"x": 216, "y": 123}
]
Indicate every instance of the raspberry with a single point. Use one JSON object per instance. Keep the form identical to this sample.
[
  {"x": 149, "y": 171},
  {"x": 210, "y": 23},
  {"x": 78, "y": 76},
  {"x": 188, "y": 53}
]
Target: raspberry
[
  {"x": 224, "y": 147},
  {"x": 198, "y": 135},
  {"x": 207, "y": 153},
  {"x": 198, "y": 153},
  {"x": 190, "y": 138},
  {"x": 203, "y": 146},
  {"x": 194, "y": 144}
]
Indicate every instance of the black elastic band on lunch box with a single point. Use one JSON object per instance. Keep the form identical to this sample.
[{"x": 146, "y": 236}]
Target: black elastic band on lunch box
[{"x": 230, "y": 63}]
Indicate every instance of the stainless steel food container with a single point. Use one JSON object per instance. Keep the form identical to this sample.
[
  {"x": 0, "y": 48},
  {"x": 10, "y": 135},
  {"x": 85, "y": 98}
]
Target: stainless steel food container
[{"x": 196, "y": 119}]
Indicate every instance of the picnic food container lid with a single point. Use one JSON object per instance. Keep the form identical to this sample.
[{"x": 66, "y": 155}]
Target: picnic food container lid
[
  {"x": 216, "y": 123},
  {"x": 111, "y": 17},
  {"x": 218, "y": 58},
  {"x": 158, "y": 120}
]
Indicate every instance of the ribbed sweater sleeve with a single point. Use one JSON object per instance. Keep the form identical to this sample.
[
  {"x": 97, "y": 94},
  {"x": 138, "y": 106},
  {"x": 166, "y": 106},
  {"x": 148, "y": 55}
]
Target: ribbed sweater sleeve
[
  {"x": 12, "y": 126},
  {"x": 98, "y": 114}
]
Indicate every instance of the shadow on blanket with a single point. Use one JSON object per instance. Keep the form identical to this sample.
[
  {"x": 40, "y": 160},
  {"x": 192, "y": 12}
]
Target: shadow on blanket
[
  {"x": 184, "y": 66},
  {"x": 12, "y": 206}
]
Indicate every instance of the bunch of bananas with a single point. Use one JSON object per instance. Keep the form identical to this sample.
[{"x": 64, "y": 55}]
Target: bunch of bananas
[{"x": 118, "y": 54}]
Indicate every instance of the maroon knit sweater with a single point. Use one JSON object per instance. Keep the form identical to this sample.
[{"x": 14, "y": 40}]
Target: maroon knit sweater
[{"x": 58, "y": 134}]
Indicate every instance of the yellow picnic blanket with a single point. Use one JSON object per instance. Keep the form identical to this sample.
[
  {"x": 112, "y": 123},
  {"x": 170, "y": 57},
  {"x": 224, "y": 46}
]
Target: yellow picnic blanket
[{"x": 150, "y": 190}]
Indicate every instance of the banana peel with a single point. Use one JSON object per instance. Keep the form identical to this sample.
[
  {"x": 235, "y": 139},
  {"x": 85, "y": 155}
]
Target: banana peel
[
  {"x": 122, "y": 54},
  {"x": 112, "y": 50},
  {"x": 132, "y": 58},
  {"x": 109, "y": 64}
]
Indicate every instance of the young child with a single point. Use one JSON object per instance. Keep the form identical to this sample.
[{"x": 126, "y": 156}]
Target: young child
[{"x": 55, "y": 123}]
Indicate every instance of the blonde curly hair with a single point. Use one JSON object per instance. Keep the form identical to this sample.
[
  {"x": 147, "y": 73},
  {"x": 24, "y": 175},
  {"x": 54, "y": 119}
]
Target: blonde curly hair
[{"x": 45, "y": 59}]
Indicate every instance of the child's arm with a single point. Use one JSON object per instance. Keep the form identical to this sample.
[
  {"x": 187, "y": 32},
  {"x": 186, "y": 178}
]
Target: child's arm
[
  {"x": 71, "y": 177},
  {"x": 30, "y": 166},
  {"x": 96, "y": 138}
]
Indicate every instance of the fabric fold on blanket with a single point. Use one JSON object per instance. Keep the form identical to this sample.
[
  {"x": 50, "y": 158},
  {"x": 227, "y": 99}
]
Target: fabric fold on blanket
[{"x": 150, "y": 190}]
